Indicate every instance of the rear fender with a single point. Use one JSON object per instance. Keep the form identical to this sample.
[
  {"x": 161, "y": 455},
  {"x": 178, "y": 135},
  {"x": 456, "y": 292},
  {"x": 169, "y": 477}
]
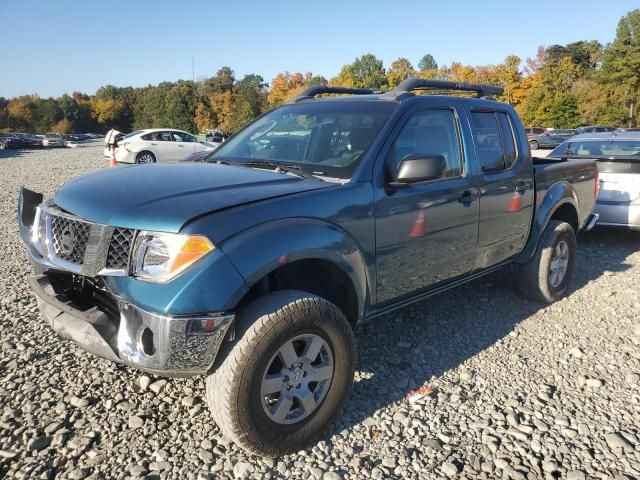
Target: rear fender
[
  {"x": 263, "y": 249},
  {"x": 559, "y": 194}
]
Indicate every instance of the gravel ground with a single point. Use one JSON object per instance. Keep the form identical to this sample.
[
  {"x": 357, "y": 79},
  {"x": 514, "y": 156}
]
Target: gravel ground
[{"x": 519, "y": 391}]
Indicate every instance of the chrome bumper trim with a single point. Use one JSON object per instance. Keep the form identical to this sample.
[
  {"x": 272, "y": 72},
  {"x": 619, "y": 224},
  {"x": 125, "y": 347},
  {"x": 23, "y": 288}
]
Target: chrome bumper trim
[
  {"x": 593, "y": 219},
  {"x": 171, "y": 345}
]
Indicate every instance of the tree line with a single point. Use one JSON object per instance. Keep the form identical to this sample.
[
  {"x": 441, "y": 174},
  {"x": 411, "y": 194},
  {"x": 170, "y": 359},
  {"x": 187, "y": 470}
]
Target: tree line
[{"x": 561, "y": 86}]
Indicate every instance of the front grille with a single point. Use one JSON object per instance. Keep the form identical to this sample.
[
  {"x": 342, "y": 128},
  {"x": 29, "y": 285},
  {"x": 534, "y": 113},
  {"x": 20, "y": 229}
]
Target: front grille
[
  {"x": 70, "y": 238},
  {"x": 119, "y": 248}
]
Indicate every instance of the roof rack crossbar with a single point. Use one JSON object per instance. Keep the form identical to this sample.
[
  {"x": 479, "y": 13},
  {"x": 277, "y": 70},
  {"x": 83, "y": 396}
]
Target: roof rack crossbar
[
  {"x": 482, "y": 90},
  {"x": 311, "y": 92}
]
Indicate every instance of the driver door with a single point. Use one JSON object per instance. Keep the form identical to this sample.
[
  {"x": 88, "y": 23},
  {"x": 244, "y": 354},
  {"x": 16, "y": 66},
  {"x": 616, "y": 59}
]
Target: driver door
[{"x": 426, "y": 232}]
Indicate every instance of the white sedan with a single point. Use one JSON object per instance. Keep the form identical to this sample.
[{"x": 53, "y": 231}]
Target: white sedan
[{"x": 159, "y": 145}]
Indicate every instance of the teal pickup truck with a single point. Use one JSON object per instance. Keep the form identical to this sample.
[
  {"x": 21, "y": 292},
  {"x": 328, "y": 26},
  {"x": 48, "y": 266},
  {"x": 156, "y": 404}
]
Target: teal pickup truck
[{"x": 254, "y": 266}]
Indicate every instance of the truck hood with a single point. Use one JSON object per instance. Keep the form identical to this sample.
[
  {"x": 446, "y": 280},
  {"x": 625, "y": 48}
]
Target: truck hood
[{"x": 164, "y": 197}]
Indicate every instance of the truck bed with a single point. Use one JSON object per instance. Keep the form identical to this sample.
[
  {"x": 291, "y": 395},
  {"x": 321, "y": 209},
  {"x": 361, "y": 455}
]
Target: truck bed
[{"x": 579, "y": 173}]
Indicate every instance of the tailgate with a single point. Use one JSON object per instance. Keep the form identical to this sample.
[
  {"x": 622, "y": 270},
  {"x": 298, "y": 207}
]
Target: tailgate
[{"x": 619, "y": 187}]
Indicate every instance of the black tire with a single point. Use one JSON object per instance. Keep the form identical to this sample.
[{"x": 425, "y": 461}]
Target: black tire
[
  {"x": 233, "y": 388},
  {"x": 534, "y": 144},
  {"x": 142, "y": 156},
  {"x": 534, "y": 276}
]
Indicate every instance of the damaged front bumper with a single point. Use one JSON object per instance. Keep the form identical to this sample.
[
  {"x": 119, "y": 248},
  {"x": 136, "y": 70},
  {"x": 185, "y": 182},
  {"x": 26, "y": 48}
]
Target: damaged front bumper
[{"x": 82, "y": 308}]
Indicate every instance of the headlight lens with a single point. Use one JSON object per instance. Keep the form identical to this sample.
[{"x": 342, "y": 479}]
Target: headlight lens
[{"x": 159, "y": 257}]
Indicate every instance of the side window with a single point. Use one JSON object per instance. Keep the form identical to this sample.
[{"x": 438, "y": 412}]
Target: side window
[
  {"x": 508, "y": 139},
  {"x": 487, "y": 137},
  {"x": 429, "y": 132},
  {"x": 182, "y": 137},
  {"x": 164, "y": 137},
  {"x": 495, "y": 140}
]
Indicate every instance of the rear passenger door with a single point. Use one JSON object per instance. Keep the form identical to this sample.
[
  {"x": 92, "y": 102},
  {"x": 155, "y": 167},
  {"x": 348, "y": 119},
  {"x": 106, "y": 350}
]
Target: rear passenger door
[{"x": 506, "y": 187}]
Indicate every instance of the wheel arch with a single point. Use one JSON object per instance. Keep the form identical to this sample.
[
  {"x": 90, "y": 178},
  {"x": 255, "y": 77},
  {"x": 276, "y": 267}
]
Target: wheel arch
[
  {"x": 302, "y": 254},
  {"x": 560, "y": 202}
]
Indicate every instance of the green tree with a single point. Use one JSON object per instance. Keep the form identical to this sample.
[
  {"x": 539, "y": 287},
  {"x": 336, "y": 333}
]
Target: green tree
[
  {"x": 250, "y": 100},
  {"x": 180, "y": 106},
  {"x": 587, "y": 54},
  {"x": 621, "y": 64},
  {"x": 427, "y": 62},
  {"x": 365, "y": 72},
  {"x": 400, "y": 70}
]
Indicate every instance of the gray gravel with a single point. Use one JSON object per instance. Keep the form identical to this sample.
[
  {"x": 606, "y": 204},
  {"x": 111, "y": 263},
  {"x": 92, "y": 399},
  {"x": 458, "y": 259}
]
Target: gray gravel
[{"x": 519, "y": 391}]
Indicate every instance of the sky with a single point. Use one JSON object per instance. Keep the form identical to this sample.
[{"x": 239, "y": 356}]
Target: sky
[{"x": 55, "y": 47}]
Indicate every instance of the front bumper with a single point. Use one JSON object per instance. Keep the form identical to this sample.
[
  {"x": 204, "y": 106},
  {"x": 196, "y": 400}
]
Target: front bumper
[{"x": 124, "y": 333}]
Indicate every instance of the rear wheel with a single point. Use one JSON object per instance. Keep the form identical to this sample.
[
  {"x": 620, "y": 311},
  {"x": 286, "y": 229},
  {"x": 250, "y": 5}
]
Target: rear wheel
[
  {"x": 534, "y": 144},
  {"x": 287, "y": 375},
  {"x": 546, "y": 277},
  {"x": 3, "y": 146},
  {"x": 145, "y": 157}
]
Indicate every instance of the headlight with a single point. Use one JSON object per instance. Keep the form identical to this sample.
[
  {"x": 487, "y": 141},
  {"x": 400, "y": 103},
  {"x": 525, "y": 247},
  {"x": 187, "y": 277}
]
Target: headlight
[{"x": 159, "y": 257}]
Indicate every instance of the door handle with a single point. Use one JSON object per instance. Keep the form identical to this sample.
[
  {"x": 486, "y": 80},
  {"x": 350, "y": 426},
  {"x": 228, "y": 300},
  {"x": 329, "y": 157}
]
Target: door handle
[
  {"x": 154, "y": 144},
  {"x": 466, "y": 198},
  {"x": 522, "y": 187},
  {"x": 181, "y": 146}
]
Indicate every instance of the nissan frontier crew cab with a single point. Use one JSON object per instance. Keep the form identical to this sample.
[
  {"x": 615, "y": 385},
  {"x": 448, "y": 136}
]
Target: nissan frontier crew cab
[{"x": 254, "y": 267}]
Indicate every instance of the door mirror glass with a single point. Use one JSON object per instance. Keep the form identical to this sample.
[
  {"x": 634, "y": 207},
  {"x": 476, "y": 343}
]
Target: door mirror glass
[{"x": 420, "y": 167}]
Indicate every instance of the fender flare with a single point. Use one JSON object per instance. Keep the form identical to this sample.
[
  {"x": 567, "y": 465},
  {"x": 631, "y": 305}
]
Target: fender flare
[
  {"x": 559, "y": 194},
  {"x": 260, "y": 250}
]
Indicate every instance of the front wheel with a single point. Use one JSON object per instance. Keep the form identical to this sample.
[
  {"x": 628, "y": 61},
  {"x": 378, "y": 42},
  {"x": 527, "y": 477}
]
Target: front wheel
[
  {"x": 287, "y": 375},
  {"x": 545, "y": 277},
  {"x": 3, "y": 146},
  {"x": 534, "y": 144}
]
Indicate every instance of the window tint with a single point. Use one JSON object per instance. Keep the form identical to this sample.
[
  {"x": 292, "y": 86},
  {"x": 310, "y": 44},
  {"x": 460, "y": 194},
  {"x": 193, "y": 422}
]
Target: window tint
[
  {"x": 183, "y": 137},
  {"x": 158, "y": 137},
  {"x": 487, "y": 137},
  {"x": 325, "y": 138},
  {"x": 508, "y": 139},
  {"x": 429, "y": 132},
  {"x": 495, "y": 140}
]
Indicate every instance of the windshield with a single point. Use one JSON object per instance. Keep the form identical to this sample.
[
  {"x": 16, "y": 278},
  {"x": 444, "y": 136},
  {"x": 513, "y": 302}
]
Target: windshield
[
  {"x": 598, "y": 148},
  {"x": 322, "y": 138}
]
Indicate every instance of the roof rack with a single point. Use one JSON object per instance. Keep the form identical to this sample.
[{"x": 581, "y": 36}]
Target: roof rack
[
  {"x": 311, "y": 92},
  {"x": 481, "y": 90}
]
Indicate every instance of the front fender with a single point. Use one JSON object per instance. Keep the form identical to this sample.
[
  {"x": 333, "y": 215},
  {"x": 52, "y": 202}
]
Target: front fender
[
  {"x": 557, "y": 195},
  {"x": 260, "y": 250}
]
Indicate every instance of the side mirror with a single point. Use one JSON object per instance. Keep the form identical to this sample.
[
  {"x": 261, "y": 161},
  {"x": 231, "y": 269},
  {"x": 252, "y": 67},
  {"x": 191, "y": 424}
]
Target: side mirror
[{"x": 420, "y": 167}]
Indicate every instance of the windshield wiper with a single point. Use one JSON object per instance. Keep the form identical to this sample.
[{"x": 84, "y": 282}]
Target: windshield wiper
[{"x": 278, "y": 167}]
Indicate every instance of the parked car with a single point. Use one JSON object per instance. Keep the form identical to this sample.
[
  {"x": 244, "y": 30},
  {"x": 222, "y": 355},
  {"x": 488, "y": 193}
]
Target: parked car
[
  {"x": 53, "y": 140},
  {"x": 317, "y": 215},
  {"x": 10, "y": 141},
  {"x": 533, "y": 131},
  {"x": 594, "y": 129},
  {"x": 618, "y": 157},
  {"x": 550, "y": 139},
  {"x": 159, "y": 145},
  {"x": 30, "y": 140}
]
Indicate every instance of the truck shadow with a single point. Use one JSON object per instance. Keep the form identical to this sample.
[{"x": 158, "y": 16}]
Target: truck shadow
[
  {"x": 13, "y": 153},
  {"x": 414, "y": 346}
]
